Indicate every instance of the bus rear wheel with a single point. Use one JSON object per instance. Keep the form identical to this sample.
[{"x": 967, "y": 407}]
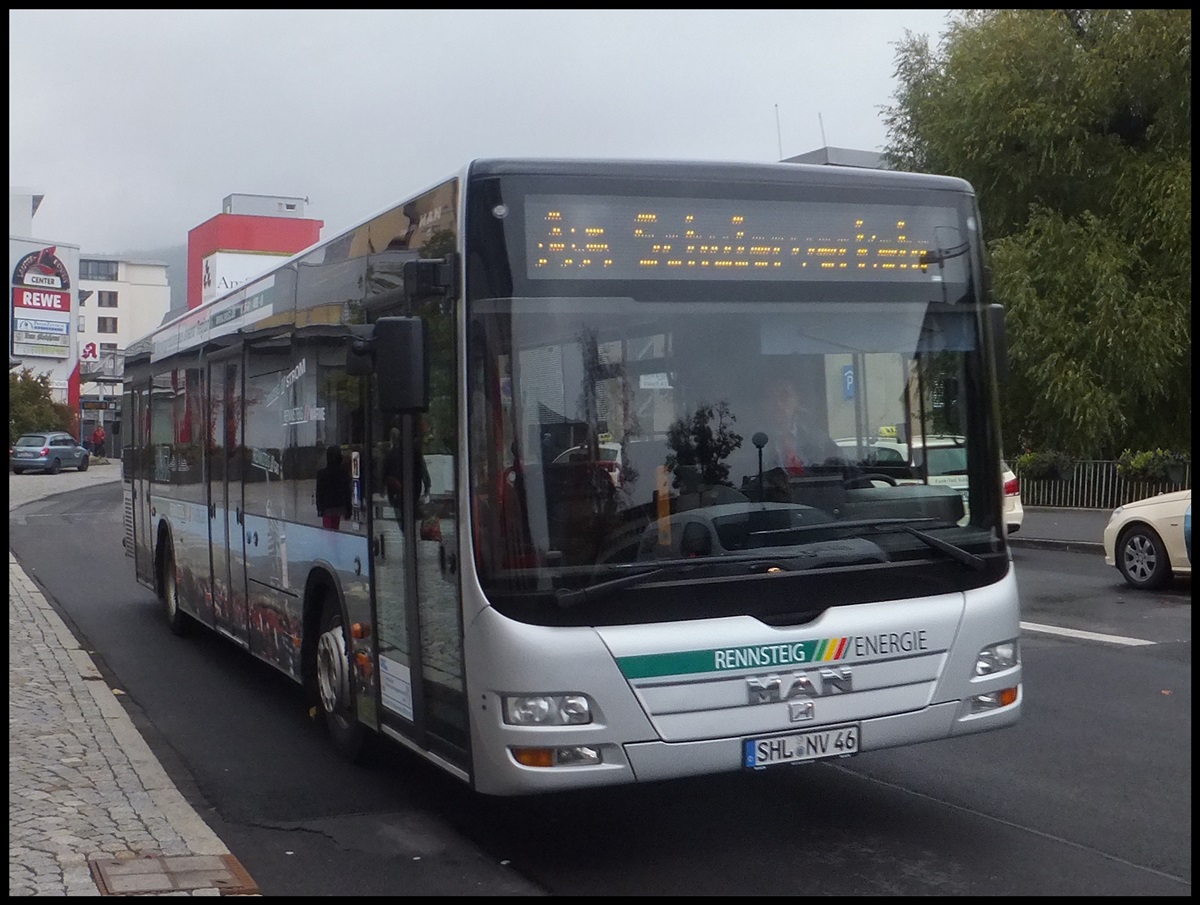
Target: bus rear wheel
[
  {"x": 335, "y": 684},
  {"x": 177, "y": 619}
]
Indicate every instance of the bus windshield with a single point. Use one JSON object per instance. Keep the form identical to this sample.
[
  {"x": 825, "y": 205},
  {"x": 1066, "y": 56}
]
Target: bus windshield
[{"x": 705, "y": 419}]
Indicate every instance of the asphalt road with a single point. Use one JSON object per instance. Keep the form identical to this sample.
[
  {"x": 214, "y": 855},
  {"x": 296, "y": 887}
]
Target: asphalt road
[{"x": 1089, "y": 794}]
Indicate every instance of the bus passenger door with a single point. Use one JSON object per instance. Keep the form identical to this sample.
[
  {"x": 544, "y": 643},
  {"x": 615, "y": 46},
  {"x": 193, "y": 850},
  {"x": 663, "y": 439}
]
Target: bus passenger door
[
  {"x": 418, "y": 628},
  {"x": 138, "y": 460},
  {"x": 225, "y": 504}
]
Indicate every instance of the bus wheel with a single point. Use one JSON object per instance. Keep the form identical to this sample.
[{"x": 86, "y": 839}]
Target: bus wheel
[
  {"x": 335, "y": 693},
  {"x": 177, "y": 619}
]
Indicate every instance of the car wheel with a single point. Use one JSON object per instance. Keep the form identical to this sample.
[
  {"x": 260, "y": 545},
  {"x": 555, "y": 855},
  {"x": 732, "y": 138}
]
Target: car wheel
[
  {"x": 18, "y": 471},
  {"x": 1142, "y": 558},
  {"x": 83, "y": 463},
  {"x": 177, "y": 619},
  {"x": 335, "y": 684},
  {"x": 55, "y": 467}
]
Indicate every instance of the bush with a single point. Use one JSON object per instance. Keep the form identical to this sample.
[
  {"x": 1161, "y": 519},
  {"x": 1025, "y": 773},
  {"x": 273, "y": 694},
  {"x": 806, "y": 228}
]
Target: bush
[
  {"x": 31, "y": 406},
  {"x": 1049, "y": 464},
  {"x": 1152, "y": 465}
]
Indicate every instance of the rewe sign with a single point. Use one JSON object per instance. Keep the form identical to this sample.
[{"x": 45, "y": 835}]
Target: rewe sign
[{"x": 42, "y": 300}]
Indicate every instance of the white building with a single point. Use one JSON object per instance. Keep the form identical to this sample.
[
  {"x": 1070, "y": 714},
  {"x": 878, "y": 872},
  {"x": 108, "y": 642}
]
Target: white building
[{"x": 120, "y": 300}]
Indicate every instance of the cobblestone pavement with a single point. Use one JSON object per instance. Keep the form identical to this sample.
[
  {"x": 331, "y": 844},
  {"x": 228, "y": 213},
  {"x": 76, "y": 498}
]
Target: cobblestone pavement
[{"x": 90, "y": 809}]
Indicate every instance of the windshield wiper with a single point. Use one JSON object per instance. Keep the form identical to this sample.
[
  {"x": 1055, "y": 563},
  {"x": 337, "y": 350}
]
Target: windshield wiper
[
  {"x": 965, "y": 557},
  {"x": 786, "y": 559},
  {"x": 568, "y": 598},
  {"x": 901, "y": 524}
]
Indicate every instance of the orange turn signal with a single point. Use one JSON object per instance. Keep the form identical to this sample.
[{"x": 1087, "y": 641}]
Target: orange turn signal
[{"x": 534, "y": 757}]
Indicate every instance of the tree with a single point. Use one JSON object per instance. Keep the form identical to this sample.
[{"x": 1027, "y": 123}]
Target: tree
[
  {"x": 698, "y": 452},
  {"x": 1074, "y": 126},
  {"x": 31, "y": 405}
]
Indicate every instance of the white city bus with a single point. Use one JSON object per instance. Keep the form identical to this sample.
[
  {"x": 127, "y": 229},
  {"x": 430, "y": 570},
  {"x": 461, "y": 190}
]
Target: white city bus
[{"x": 565, "y": 559}]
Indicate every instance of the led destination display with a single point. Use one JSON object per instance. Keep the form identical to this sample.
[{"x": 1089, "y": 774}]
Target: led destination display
[{"x": 621, "y": 238}]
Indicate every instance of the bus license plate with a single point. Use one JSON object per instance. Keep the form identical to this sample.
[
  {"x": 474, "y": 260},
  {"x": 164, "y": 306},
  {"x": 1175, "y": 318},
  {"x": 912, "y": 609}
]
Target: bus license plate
[{"x": 837, "y": 741}]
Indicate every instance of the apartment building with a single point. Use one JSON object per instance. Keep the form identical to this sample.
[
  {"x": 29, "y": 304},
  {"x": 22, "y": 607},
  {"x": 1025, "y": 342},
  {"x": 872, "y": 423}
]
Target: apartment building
[{"x": 120, "y": 300}]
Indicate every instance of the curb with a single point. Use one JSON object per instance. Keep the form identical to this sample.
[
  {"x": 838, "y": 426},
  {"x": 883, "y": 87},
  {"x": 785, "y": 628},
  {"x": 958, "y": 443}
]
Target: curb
[{"x": 1072, "y": 546}]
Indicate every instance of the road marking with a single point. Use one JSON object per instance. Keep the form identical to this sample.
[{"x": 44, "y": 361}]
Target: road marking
[{"x": 1088, "y": 636}]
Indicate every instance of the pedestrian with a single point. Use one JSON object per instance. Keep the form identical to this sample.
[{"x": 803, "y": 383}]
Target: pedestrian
[
  {"x": 98, "y": 438},
  {"x": 333, "y": 490}
]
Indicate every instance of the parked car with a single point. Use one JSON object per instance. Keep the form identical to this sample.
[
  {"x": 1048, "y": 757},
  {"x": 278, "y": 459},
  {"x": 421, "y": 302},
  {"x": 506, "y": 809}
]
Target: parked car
[
  {"x": 1014, "y": 512},
  {"x": 609, "y": 458},
  {"x": 48, "y": 451},
  {"x": 947, "y": 466},
  {"x": 1149, "y": 540}
]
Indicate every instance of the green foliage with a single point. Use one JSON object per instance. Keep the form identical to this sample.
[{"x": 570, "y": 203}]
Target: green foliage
[
  {"x": 1074, "y": 126},
  {"x": 698, "y": 451},
  {"x": 31, "y": 405},
  {"x": 1151, "y": 465},
  {"x": 1048, "y": 464}
]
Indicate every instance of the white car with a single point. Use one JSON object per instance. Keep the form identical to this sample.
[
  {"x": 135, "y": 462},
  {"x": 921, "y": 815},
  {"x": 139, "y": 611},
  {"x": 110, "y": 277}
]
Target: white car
[
  {"x": 947, "y": 457},
  {"x": 1150, "y": 540},
  {"x": 1014, "y": 512},
  {"x": 608, "y": 458}
]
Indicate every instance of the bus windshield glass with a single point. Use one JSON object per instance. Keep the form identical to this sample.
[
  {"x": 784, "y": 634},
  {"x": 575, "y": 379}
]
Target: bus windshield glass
[{"x": 683, "y": 380}]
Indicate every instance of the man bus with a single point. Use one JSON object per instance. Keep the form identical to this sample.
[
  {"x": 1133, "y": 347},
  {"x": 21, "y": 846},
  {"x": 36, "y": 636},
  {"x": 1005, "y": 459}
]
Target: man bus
[{"x": 663, "y": 602}]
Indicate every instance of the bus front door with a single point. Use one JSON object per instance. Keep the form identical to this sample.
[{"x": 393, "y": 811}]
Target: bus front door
[
  {"x": 418, "y": 629},
  {"x": 225, "y": 503}
]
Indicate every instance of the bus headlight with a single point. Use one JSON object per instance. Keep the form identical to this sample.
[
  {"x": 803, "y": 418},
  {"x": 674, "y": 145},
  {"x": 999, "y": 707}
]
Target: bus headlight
[
  {"x": 997, "y": 658},
  {"x": 547, "y": 710}
]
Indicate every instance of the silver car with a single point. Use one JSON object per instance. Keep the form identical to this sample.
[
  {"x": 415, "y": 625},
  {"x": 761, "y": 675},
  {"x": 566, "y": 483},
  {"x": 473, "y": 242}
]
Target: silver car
[{"x": 48, "y": 451}]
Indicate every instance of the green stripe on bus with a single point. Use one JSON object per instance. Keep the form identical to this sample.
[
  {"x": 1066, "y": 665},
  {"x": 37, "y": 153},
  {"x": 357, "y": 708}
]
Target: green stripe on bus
[{"x": 725, "y": 659}]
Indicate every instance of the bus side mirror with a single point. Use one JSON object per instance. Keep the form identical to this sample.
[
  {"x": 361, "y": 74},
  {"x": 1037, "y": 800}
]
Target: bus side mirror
[
  {"x": 428, "y": 277},
  {"x": 402, "y": 364}
]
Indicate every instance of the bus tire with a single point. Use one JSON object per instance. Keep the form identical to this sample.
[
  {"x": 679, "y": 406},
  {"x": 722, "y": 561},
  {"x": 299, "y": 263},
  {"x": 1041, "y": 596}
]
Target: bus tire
[
  {"x": 335, "y": 685},
  {"x": 177, "y": 619}
]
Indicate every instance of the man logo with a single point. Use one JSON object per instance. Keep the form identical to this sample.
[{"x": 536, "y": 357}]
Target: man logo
[{"x": 802, "y": 688}]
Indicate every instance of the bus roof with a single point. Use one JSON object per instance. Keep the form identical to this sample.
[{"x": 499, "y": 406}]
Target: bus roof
[
  {"x": 186, "y": 325},
  {"x": 714, "y": 170}
]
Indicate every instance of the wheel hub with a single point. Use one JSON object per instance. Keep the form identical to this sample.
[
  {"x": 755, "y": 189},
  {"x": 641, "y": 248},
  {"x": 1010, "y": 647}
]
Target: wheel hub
[
  {"x": 333, "y": 671},
  {"x": 1139, "y": 558}
]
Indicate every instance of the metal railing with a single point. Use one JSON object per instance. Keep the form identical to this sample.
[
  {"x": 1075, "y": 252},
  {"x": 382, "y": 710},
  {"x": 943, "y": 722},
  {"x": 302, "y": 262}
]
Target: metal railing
[{"x": 1095, "y": 485}]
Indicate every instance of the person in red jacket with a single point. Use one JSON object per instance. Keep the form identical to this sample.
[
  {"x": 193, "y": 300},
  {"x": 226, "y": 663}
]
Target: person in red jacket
[{"x": 98, "y": 438}]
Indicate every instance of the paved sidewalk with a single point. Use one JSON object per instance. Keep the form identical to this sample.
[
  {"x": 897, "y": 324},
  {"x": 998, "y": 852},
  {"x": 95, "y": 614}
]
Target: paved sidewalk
[
  {"x": 90, "y": 809},
  {"x": 1062, "y": 529}
]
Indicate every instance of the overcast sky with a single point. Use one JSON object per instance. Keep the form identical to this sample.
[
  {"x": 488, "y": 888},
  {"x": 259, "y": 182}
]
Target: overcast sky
[{"x": 136, "y": 124}]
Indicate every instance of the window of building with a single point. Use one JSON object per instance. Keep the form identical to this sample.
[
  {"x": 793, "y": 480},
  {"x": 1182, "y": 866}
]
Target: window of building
[
  {"x": 106, "y": 324},
  {"x": 90, "y": 269},
  {"x": 106, "y": 299},
  {"x": 108, "y": 347}
]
